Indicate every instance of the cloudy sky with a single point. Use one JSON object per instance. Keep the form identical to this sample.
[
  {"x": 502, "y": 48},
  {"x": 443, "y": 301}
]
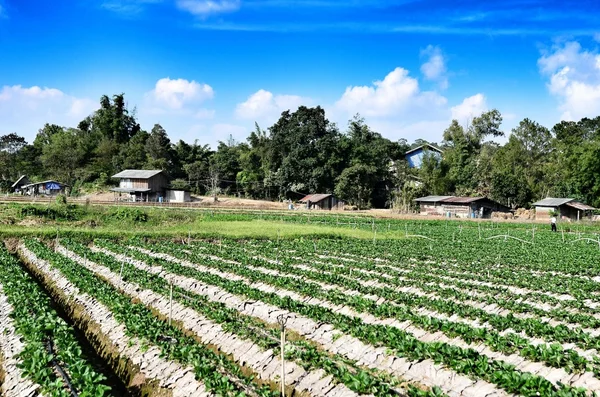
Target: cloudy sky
[{"x": 207, "y": 69}]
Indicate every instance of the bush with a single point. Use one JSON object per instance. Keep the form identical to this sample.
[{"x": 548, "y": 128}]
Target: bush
[
  {"x": 61, "y": 199},
  {"x": 129, "y": 214}
]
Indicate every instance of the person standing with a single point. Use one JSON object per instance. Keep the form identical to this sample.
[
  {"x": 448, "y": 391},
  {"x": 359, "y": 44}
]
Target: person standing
[{"x": 553, "y": 223}]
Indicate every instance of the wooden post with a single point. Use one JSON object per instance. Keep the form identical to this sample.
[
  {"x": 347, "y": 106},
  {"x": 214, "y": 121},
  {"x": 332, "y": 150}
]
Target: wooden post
[
  {"x": 533, "y": 231},
  {"x": 479, "y": 229},
  {"x": 282, "y": 320},
  {"x": 170, "y": 302},
  {"x": 374, "y": 236},
  {"x": 563, "y": 234},
  {"x": 189, "y": 237}
]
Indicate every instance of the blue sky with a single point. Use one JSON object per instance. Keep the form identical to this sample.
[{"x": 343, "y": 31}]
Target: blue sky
[{"x": 208, "y": 69}]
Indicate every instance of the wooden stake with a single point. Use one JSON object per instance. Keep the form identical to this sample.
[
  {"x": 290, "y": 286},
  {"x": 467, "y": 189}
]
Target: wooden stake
[
  {"x": 282, "y": 320},
  {"x": 189, "y": 237},
  {"x": 170, "y": 302}
]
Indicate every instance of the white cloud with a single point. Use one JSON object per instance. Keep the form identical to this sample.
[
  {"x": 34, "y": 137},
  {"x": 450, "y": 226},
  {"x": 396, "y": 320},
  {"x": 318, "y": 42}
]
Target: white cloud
[
  {"x": 127, "y": 7},
  {"x": 203, "y": 8},
  {"x": 175, "y": 94},
  {"x": 435, "y": 67},
  {"x": 397, "y": 93},
  {"x": 469, "y": 108},
  {"x": 24, "y": 110},
  {"x": 264, "y": 106},
  {"x": 574, "y": 78}
]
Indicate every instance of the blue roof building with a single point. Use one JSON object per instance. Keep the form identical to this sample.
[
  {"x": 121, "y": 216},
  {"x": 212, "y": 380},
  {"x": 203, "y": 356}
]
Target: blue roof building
[{"x": 415, "y": 156}]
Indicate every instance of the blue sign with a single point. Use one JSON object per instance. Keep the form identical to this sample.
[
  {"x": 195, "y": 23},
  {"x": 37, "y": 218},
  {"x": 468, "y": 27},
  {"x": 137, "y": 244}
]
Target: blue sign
[{"x": 52, "y": 186}]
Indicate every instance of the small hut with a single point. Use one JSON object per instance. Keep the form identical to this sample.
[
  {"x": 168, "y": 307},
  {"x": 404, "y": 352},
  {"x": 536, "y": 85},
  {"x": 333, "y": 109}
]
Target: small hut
[
  {"x": 564, "y": 207},
  {"x": 48, "y": 188},
  {"x": 322, "y": 202}
]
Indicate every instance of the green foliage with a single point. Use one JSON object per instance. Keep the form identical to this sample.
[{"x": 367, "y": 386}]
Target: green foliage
[
  {"x": 129, "y": 214},
  {"x": 304, "y": 153}
]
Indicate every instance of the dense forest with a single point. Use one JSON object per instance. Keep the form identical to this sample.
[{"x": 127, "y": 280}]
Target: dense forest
[{"x": 305, "y": 153}]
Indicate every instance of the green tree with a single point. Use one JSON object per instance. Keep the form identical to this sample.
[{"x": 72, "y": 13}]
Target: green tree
[
  {"x": 64, "y": 156},
  {"x": 355, "y": 185},
  {"x": 10, "y": 146},
  {"x": 158, "y": 150}
]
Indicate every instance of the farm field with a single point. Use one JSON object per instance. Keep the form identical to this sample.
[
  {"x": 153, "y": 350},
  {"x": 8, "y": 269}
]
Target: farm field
[{"x": 439, "y": 309}]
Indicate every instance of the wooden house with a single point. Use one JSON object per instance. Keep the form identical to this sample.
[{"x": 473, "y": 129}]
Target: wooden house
[
  {"x": 142, "y": 185},
  {"x": 459, "y": 207},
  {"x": 322, "y": 202}
]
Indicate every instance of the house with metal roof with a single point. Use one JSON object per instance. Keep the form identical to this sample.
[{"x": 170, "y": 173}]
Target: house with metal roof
[
  {"x": 414, "y": 157},
  {"x": 459, "y": 207},
  {"x": 322, "y": 202},
  {"x": 566, "y": 208},
  {"x": 141, "y": 185}
]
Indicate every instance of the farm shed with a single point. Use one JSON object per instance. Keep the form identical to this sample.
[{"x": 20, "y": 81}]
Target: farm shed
[
  {"x": 414, "y": 157},
  {"x": 322, "y": 202},
  {"x": 49, "y": 188},
  {"x": 17, "y": 187},
  {"x": 142, "y": 185},
  {"x": 567, "y": 208},
  {"x": 462, "y": 207},
  {"x": 178, "y": 196}
]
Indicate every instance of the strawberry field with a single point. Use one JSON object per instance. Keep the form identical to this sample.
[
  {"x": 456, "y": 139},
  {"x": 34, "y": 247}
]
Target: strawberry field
[{"x": 441, "y": 309}]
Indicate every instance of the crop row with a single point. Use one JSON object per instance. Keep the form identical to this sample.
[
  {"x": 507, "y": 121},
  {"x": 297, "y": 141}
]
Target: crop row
[
  {"x": 261, "y": 340},
  {"x": 454, "y": 357},
  {"x": 530, "y": 326},
  {"x": 41, "y": 352}
]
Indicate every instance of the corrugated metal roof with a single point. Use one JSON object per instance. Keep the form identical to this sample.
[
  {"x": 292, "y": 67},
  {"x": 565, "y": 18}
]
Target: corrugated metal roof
[
  {"x": 48, "y": 181},
  {"x": 19, "y": 180},
  {"x": 580, "y": 206},
  {"x": 314, "y": 198},
  {"x": 552, "y": 202},
  {"x": 433, "y": 199},
  {"x": 464, "y": 200},
  {"x": 126, "y": 190},
  {"x": 137, "y": 174}
]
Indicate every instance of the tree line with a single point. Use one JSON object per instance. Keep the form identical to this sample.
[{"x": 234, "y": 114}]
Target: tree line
[{"x": 303, "y": 153}]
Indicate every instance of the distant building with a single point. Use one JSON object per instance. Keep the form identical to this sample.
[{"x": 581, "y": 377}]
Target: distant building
[
  {"x": 48, "y": 188},
  {"x": 461, "y": 207},
  {"x": 564, "y": 207},
  {"x": 414, "y": 157},
  {"x": 17, "y": 187},
  {"x": 322, "y": 202},
  {"x": 142, "y": 185}
]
